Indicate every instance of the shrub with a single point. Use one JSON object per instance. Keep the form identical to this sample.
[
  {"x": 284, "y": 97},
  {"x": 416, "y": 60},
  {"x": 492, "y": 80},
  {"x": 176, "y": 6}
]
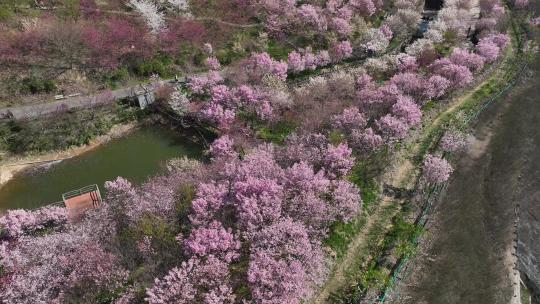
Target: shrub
[
  {"x": 35, "y": 85},
  {"x": 16, "y": 222},
  {"x": 153, "y": 66},
  {"x": 61, "y": 130}
]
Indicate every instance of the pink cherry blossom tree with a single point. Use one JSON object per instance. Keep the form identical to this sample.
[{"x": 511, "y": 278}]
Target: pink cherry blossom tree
[
  {"x": 323, "y": 58},
  {"x": 407, "y": 110},
  {"x": 213, "y": 63},
  {"x": 365, "y": 7},
  {"x": 488, "y": 50},
  {"x": 194, "y": 281},
  {"x": 392, "y": 128},
  {"x": 284, "y": 264},
  {"x": 310, "y": 16},
  {"x": 453, "y": 141},
  {"x": 261, "y": 64},
  {"x": 338, "y": 160},
  {"x": 223, "y": 147},
  {"x": 341, "y": 26},
  {"x": 346, "y": 200},
  {"x": 341, "y": 51},
  {"x": 210, "y": 201},
  {"x": 214, "y": 240},
  {"x": 437, "y": 86},
  {"x": 366, "y": 141},
  {"x": 436, "y": 169},
  {"x": 406, "y": 63},
  {"x": 473, "y": 61},
  {"x": 296, "y": 62},
  {"x": 202, "y": 84},
  {"x": 458, "y": 75},
  {"x": 411, "y": 84},
  {"x": 218, "y": 114},
  {"x": 349, "y": 119}
]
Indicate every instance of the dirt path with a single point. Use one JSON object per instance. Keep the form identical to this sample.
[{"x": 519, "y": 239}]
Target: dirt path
[
  {"x": 468, "y": 254},
  {"x": 400, "y": 175}
]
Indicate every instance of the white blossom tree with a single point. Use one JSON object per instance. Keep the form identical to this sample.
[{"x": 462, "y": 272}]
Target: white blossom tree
[
  {"x": 179, "y": 5},
  {"x": 150, "y": 12}
]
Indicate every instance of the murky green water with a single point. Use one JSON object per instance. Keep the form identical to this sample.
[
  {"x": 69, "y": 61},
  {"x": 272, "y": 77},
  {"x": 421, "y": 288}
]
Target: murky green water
[{"x": 135, "y": 157}]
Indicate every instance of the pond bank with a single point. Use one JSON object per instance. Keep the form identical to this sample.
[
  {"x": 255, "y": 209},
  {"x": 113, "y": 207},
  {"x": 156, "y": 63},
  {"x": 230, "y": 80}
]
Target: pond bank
[
  {"x": 14, "y": 165},
  {"x": 136, "y": 153}
]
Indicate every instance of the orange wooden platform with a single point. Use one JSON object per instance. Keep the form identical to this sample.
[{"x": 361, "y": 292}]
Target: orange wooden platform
[{"x": 79, "y": 204}]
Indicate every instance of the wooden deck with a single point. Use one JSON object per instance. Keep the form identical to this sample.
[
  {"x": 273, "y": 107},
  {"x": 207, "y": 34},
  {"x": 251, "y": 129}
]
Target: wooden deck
[{"x": 79, "y": 204}]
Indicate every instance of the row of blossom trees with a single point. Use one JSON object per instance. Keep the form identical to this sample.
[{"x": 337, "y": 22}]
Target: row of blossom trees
[{"x": 108, "y": 36}]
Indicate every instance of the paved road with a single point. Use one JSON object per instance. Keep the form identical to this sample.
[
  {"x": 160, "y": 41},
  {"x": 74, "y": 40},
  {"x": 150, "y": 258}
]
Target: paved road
[
  {"x": 31, "y": 111},
  {"x": 70, "y": 103}
]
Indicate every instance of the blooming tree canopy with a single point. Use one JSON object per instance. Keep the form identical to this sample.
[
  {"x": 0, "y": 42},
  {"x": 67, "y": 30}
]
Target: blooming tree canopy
[{"x": 436, "y": 169}]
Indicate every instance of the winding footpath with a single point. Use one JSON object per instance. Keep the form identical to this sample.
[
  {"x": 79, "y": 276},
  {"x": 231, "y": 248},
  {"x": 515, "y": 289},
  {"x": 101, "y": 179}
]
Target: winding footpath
[
  {"x": 70, "y": 103},
  {"x": 402, "y": 174},
  {"x": 469, "y": 256},
  {"x": 483, "y": 239}
]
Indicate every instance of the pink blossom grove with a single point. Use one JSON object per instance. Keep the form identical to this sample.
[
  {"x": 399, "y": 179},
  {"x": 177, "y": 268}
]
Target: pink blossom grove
[
  {"x": 300, "y": 108},
  {"x": 261, "y": 64},
  {"x": 16, "y": 222},
  {"x": 260, "y": 192},
  {"x": 58, "y": 256}
]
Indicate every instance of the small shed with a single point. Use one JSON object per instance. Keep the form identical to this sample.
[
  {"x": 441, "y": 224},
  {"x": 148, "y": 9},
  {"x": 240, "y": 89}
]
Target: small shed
[
  {"x": 79, "y": 201},
  {"x": 145, "y": 98}
]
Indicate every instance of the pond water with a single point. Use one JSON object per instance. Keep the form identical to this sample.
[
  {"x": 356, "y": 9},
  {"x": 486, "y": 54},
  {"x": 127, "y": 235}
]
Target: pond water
[{"x": 136, "y": 157}]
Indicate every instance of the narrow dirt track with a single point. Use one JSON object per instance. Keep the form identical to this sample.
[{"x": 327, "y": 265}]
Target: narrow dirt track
[
  {"x": 398, "y": 175},
  {"x": 398, "y": 178},
  {"x": 468, "y": 252}
]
